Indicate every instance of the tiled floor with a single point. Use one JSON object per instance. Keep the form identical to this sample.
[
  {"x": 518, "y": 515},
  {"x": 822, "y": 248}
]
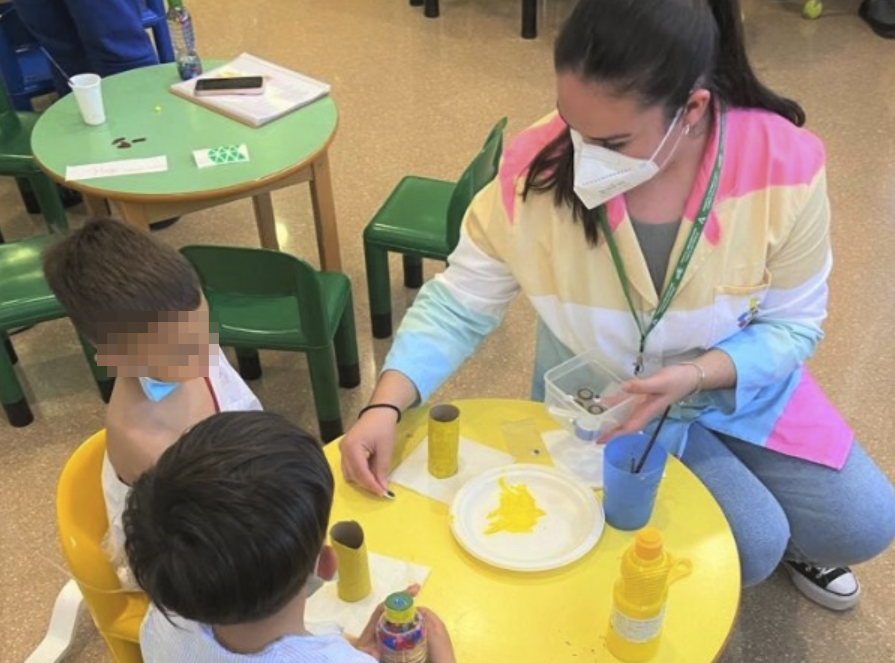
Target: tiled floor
[{"x": 418, "y": 95}]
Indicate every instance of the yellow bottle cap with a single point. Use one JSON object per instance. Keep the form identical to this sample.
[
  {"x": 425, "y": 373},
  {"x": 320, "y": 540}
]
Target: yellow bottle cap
[
  {"x": 648, "y": 543},
  {"x": 399, "y": 608}
]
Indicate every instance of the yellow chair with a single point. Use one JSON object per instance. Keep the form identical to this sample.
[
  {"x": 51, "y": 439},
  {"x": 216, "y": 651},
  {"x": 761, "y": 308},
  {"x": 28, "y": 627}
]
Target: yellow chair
[{"x": 81, "y": 516}]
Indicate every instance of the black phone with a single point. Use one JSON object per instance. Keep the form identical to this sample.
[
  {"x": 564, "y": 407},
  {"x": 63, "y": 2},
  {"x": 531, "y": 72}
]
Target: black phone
[{"x": 229, "y": 85}]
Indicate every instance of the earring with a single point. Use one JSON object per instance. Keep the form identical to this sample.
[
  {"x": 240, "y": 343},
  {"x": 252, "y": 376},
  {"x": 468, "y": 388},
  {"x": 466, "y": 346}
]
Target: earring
[{"x": 686, "y": 129}]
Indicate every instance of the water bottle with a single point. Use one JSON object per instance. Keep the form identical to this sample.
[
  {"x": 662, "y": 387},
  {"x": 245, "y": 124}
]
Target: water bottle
[
  {"x": 401, "y": 632},
  {"x": 641, "y": 592},
  {"x": 180, "y": 24}
]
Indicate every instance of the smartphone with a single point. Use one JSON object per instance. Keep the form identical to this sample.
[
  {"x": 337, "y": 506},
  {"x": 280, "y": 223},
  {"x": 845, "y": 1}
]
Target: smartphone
[{"x": 206, "y": 87}]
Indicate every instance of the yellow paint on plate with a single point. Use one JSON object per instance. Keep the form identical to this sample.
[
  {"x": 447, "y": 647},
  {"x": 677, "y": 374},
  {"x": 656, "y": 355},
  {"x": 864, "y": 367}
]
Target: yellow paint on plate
[{"x": 518, "y": 513}]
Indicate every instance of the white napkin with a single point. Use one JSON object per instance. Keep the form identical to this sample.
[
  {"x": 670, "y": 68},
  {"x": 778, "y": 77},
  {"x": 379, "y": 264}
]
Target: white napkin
[
  {"x": 327, "y": 613},
  {"x": 583, "y": 459},
  {"x": 475, "y": 458}
]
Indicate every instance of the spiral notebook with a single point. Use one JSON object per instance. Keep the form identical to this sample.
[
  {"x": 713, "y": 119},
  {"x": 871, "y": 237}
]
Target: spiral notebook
[{"x": 284, "y": 91}]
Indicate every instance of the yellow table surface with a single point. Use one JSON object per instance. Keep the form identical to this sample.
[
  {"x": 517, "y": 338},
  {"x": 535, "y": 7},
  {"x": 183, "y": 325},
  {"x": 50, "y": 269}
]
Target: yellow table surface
[{"x": 553, "y": 616}]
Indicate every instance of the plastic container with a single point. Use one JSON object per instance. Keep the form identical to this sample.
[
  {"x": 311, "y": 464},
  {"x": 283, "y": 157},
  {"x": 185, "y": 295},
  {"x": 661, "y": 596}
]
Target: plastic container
[
  {"x": 401, "y": 632},
  {"x": 586, "y": 398},
  {"x": 640, "y": 595}
]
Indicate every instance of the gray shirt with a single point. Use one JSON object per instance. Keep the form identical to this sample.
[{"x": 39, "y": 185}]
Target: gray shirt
[{"x": 656, "y": 241}]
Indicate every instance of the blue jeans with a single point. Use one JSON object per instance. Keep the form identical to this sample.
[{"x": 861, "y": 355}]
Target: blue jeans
[
  {"x": 102, "y": 37},
  {"x": 786, "y": 508}
]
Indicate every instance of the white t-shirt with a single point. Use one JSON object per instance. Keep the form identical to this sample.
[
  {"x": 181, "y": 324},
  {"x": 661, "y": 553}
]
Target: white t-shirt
[
  {"x": 231, "y": 395},
  {"x": 188, "y": 642}
]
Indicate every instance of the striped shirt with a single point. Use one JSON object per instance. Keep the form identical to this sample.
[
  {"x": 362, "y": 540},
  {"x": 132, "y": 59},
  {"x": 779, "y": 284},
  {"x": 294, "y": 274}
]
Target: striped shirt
[{"x": 189, "y": 642}]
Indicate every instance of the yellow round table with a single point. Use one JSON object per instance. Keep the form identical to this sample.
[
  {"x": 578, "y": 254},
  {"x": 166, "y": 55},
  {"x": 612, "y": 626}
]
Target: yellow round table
[{"x": 553, "y": 616}]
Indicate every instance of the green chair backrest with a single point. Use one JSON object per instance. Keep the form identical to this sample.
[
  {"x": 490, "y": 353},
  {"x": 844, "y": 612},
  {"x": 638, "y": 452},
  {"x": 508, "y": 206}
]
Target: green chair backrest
[
  {"x": 9, "y": 121},
  {"x": 231, "y": 270},
  {"x": 482, "y": 170}
]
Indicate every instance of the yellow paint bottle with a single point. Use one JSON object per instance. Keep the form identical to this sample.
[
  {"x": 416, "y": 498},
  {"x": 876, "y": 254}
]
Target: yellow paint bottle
[{"x": 638, "y": 609}]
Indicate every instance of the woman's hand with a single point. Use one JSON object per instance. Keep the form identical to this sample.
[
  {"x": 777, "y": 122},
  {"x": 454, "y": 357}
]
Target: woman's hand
[
  {"x": 367, "y": 450},
  {"x": 657, "y": 392}
]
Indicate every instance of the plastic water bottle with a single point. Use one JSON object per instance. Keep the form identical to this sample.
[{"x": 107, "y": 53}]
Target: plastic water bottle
[
  {"x": 180, "y": 24},
  {"x": 401, "y": 632},
  {"x": 638, "y": 607}
]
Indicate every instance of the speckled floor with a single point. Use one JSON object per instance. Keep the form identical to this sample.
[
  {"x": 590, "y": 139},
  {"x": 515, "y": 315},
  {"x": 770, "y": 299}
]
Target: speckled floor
[{"x": 418, "y": 95}]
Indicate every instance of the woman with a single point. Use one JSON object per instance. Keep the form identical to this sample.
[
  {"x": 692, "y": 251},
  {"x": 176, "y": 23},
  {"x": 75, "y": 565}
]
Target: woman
[{"x": 673, "y": 217}]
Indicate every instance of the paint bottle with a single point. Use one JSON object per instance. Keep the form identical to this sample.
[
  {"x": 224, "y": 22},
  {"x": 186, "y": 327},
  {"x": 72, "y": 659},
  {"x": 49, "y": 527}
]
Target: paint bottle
[
  {"x": 401, "y": 632},
  {"x": 641, "y": 592}
]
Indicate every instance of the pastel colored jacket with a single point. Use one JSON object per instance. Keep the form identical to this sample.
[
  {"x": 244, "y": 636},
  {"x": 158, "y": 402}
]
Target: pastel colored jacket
[{"x": 756, "y": 287}]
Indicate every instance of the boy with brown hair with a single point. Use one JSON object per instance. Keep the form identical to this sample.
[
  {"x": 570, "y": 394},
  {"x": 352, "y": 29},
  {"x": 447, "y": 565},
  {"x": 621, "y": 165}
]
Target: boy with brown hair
[{"x": 140, "y": 303}]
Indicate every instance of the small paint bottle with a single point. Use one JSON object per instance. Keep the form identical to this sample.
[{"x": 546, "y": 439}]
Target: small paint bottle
[
  {"x": 401, "y": 632},
  {"x": 641, "y": 592}
]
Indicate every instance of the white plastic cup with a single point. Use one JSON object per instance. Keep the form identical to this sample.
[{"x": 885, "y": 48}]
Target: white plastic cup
[{"x": 89, "y": 95}]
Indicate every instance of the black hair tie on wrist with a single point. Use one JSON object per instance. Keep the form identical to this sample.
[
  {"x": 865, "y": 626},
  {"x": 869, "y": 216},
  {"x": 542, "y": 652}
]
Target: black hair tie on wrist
[{"x": 374, "y": 406}]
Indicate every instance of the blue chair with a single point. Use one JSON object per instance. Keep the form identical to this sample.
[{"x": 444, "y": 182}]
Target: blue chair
[{"x": 25, "y": 68}]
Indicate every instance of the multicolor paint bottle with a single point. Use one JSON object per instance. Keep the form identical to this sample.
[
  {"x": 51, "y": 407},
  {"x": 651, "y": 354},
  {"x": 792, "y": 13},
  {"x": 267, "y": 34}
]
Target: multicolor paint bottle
[{"x": 401, "y": 632}]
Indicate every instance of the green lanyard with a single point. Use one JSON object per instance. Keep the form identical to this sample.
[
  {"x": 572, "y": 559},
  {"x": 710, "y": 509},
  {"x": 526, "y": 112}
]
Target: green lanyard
[{"x": 677, "y": 276}]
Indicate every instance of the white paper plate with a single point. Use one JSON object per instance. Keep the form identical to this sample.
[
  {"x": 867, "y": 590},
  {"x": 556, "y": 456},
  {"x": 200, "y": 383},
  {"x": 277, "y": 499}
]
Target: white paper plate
[{"x": 571, "y": 527}]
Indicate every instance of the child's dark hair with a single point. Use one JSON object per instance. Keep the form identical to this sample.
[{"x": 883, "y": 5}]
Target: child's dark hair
[
  {"x": 114, "y": 279},
  {"x": 658, "y": 50},
  {"x": 227, "y": 527}
]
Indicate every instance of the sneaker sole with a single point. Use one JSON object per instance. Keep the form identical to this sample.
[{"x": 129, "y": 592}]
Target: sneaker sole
[{"x": 828, "y": 600}]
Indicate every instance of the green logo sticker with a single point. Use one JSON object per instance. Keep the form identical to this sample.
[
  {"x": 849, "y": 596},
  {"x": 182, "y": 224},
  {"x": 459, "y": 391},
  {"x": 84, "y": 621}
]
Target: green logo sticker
[{"x": 226, "y": 154}]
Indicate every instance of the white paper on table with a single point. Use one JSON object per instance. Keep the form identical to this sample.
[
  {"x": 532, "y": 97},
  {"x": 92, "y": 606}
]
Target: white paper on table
[
  {"x": 474, "y": 459},
  {"x": 221, "y": 156},
  {"x": 583, "y": 459},
  {"x": 115, "y": 168},
  {"x": 326, "y": 613}
]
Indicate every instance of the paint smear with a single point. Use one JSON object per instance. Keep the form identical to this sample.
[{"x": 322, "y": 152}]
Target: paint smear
[{"x": 518, "y": 513}]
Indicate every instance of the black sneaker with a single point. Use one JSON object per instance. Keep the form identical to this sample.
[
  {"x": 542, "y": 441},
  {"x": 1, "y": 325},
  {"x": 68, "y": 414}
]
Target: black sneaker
[{"x": 835, "y": 589}]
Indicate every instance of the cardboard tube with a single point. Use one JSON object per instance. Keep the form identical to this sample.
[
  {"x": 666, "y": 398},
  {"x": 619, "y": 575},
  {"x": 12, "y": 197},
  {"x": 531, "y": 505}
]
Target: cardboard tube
[
  {"x": 444, "y": 441},
  {"x": 354, "y": 565}
]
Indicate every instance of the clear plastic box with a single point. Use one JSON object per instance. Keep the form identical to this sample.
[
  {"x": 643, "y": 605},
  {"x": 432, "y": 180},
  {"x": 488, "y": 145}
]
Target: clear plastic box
[{"x": 586, "y": 398}]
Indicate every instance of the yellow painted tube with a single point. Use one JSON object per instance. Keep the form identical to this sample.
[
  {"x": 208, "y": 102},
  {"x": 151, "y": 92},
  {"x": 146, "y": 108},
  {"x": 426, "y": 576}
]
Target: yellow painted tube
[
  {"x": 354, "y": 565},
  {"x": 444, "y": 441}
]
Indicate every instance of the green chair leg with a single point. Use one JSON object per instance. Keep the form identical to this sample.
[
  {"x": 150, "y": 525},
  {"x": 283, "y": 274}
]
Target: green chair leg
[
  {"x": 10, "y": 351},
  {"x": 322, "y": 366},
  {"x": 50, "y": 203},
  {"x": 379, "y": 289},
  {"x": 104, "y": 382},
  {"x": 413, "y": 271},
  {"x": 249, "y": 363},
  {"x": 11, "y": 395},
  {"x": 345, "y": 343}
]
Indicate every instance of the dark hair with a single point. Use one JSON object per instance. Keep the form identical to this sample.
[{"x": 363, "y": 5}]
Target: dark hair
[
  {"x": 227, "y": 527},
  {"x": 114, "y": 279},
  {"x": 658, "y": 50}
]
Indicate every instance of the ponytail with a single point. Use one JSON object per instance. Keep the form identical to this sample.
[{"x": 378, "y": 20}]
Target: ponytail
[{"x": 733, "y": 78}]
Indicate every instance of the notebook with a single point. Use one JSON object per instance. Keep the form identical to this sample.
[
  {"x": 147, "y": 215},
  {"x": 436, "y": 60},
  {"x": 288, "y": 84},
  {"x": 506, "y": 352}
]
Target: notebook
[{"x": 284, "y": 92}]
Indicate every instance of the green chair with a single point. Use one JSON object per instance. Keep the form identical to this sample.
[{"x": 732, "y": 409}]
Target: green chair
[
  {"x": 262, "y": 299},
  {"x": 421, "y": 219},
  {"x": 25, "y": 297}
]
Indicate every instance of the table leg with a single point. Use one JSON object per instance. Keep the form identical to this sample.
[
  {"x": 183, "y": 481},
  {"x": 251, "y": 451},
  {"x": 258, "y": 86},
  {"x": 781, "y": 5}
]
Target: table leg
[
  {"x": 265, "y": 220},
  {"x": 96, "y": 206},
  {"x": 134, "y": 213},
  {"x": 430, "y": 9},
  {"x": 325, "y": 215},
  {"x": 529, "y": 19}
]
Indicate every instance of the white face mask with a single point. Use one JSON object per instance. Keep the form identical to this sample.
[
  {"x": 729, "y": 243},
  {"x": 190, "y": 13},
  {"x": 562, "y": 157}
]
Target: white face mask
[{"x": 601, "y": 174}]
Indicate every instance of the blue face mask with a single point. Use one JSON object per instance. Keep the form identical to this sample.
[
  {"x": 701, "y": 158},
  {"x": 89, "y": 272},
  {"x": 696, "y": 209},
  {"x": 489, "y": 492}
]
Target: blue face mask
[{"x": 156, "y": 390}]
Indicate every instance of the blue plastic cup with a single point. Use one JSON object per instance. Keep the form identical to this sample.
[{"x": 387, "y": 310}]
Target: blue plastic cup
[{"x": 628, "y": 498}]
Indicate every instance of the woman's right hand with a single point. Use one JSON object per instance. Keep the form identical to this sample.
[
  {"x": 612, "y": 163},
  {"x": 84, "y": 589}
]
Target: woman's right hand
[{"x": 367, "y": 450}]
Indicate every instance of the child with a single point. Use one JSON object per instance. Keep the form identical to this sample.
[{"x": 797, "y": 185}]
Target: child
[
  {"x": 223, "y": 535},
  {"x": 140, "y": 303}
]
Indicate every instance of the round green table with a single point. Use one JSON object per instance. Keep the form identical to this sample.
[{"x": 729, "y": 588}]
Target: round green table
[{"x": 139, "y": 105}]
